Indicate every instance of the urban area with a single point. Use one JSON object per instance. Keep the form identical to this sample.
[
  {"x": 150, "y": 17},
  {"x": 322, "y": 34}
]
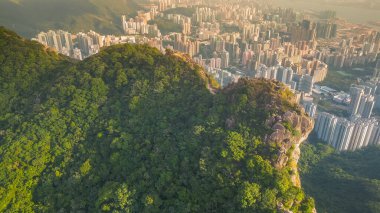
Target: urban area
[{"x": 311, "y": 53}]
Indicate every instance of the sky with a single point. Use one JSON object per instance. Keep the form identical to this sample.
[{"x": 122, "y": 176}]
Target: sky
[{"x": 361, "y": 11}]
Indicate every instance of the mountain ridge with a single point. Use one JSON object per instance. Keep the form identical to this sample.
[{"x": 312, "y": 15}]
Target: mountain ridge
[
  {"x": 32, "y": 16},
  {"x": 133, "y": 130}
]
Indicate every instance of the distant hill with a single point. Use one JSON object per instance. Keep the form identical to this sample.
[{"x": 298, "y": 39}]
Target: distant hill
[{"x": 28, "y": 17}]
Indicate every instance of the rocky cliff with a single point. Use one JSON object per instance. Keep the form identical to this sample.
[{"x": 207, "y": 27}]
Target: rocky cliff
[{"x": 290, "y": 130}]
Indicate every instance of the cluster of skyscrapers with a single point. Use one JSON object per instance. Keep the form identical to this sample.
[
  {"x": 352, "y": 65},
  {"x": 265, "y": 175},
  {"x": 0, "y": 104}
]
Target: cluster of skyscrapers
[
  {"x": 361, "y": 129},
  {"x": 345, "y": 134},
  {"x": 83, "y": 45},
  {"x": 241, "y": 40},
  {"x": 60, "y": 40},
  {"x": 223, "y": 77},
  {"x": 301, "y": 83},
  {"x": 351, "y": 52},
  {"x": 362, "y": 100},
  {"x": 307, "y": 30},
  {"x": 249, "y": 46},
  {"x": 234, "y": 40},
  {"x": 77, "y": 46},
  {"x": 204, "y": 14},
  {"x": 271, "y": 37},
  {"x": 183, "y": 44},
  {"x": 140, "y": 26},
  {"x": 310, "y": 108},
  {"x": 182, "y": 20},
  {"x": 376, "y": 74},
  {"x": 165, "y": 4}
]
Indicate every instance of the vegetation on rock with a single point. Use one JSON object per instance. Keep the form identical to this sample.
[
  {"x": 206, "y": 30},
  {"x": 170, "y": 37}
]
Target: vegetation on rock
[{"x": 133, "y": 130}]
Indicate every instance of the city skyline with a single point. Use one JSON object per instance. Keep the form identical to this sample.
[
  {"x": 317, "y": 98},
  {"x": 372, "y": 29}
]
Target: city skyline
[{"x": 282, "y": 44}]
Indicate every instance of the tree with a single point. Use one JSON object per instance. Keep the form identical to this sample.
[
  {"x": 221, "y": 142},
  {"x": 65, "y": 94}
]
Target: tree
[{"x": 250, "y": 194}]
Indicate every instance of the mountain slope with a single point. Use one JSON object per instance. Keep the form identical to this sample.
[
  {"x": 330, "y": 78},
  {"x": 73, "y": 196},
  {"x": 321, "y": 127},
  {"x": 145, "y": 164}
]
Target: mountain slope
[
  {"x": 133, "y": 130},
  {"x": 345, "y": 182},
  {"x": 24, "y": 74},
  {"x": 29, "y": 17}
]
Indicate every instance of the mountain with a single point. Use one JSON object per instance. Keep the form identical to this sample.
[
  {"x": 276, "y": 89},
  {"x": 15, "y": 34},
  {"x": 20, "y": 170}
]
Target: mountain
[
  {"x": 29, "y": 17},
  {"x": 341, "y": 182},
  {"x": 134, "y": 130}
]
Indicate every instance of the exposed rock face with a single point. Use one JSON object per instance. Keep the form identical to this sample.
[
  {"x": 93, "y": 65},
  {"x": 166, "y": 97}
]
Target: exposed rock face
[
  {"x": 290, "y": 138},
  {"x": 287, "y": 123},
  {"x": 290, "y": 142}
]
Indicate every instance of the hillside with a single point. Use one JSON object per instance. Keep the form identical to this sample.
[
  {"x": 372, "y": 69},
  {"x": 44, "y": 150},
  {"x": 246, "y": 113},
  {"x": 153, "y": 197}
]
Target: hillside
[
  {"x": 133, "y": 130},
  {"x": 342, "y": 183},
  {"x": 24, "y": 74},
  {"x": 29, "y": 17}
]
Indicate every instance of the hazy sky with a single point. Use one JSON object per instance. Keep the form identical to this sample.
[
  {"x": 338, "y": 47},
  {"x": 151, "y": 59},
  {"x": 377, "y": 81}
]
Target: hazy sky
[{"x": 357, "y": 11}]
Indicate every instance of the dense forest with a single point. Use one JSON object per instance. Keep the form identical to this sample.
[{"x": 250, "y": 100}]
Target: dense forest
[
  {"x": 134, "y": 130},
  {"x": 346, "y": 182}
]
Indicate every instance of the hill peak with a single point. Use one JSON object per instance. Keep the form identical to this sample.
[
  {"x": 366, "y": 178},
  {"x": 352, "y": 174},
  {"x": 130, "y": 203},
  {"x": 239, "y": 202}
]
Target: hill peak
[{"x": 131, "y": 129}]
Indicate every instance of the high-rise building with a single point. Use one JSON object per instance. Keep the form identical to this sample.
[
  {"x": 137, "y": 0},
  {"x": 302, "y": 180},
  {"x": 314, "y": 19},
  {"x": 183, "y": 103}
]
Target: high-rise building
[
  {"x": 310, "y": 108},
  {"x": 77, "y": 54},
  {"x": 67, "y": 42},
  {"x": 358, "y": 135},
  {"x": 362, "y": 133},
  {"x": 304, "y": 31},
  {"x": 84, "y": 42},
  {"x": 326, "y": 30},
  {"x": 61, "y": 41},
  {"x": 97, "y": 39},
  {"x": 376, "y": 73},
  {"x": 54, "y": 40},
  {"x": 362, "y": 103},
  {"x": 225, "y": 56},
  {"x": 305, "y": 83},
  {"x": 290, "y": 76},
  {"x": 375, "y": 137},
  {"x": 342, "y": 134},
  {"x": 372, "y": 123},
  {"x": 368, "y": 106},
  {"x": 124, "y": 23},
  {"x": 282, "y": 74},
  {"x": 325, "y": 126},
  {"x": 356, "y": 95},
  {"x": 186, "y": 26}
]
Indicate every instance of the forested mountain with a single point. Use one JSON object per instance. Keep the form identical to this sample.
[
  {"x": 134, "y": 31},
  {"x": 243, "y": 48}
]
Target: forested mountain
[
  {"x": 29, "y": 17},
  {"x": 342, "y": 182},
  {"x": 133, "y": 130}
]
